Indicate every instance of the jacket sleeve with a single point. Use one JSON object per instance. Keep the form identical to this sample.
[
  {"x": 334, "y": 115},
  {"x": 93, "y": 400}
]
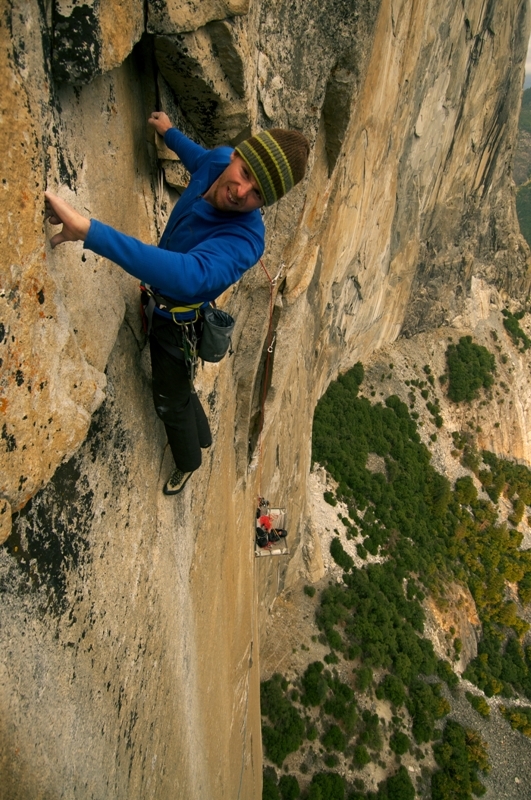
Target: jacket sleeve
[
  {"x": 201, "y": 274},
  {"x": 190, "y": 153}
]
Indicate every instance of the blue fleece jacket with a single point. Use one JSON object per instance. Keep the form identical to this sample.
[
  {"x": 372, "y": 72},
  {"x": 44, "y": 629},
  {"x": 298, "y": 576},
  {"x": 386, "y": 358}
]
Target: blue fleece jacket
[{"x": 203, "y": 251}]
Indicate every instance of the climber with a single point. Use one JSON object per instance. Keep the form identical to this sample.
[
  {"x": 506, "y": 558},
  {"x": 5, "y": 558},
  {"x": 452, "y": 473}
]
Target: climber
[
  {"x": 265, "y": 532},
  {"x": 214, "y": 234},
  {"x": 275, "y": 534}
]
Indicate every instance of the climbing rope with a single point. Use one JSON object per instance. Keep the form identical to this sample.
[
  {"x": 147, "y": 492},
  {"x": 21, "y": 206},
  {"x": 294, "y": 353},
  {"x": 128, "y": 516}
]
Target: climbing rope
[
  {"x": 263, "y": 505},
  {"x": 270, "y": 339},
  {"x": 159, "y": 198}
]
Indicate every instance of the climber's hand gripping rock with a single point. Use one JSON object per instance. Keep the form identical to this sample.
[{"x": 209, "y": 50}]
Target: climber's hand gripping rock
[
  {"x": 59, "y": 212},
  {"x": 160, "y": 121}
]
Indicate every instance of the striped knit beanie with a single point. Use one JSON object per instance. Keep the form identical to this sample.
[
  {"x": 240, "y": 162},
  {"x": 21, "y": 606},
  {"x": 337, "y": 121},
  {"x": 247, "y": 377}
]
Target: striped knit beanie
[{"x": 277, "y": 158}]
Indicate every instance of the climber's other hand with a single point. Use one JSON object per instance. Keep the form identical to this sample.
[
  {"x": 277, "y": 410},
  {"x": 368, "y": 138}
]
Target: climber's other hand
[{"x": 59, "y": 212}]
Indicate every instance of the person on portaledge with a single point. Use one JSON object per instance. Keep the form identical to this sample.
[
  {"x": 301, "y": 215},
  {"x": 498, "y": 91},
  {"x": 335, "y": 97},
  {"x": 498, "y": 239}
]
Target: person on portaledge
[{"x": 214, "y": 234}]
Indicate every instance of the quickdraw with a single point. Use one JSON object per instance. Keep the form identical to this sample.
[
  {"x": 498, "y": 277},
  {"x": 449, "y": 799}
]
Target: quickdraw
[{"x": 190, "y": 349}]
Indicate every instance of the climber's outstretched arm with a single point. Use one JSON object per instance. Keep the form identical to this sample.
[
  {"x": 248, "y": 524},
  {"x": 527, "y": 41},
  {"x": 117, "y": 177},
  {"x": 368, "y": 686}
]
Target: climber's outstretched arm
[{"x": 59, "y": 212}]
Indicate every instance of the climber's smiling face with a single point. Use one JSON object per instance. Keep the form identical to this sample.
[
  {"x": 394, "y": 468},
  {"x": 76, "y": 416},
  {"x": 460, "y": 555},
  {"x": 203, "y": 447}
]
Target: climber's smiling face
[{"x": 236, "y": 189}]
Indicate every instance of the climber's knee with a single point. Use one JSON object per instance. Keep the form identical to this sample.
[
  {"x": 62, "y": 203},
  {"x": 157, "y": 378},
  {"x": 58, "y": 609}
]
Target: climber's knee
[{"x": 172, "y": 412}]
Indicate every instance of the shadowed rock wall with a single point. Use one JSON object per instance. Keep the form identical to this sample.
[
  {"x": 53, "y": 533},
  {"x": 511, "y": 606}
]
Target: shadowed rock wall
[{"x": 130, "y": 620}]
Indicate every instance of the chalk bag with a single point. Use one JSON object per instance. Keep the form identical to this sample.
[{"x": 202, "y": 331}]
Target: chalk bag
[{"x": 217, "y": 334}]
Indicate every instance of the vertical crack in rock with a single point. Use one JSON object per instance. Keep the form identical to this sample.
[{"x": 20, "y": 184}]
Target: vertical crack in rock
[
  {"x": 263, "y": 381},
  {"x": 337, "y": 107}
]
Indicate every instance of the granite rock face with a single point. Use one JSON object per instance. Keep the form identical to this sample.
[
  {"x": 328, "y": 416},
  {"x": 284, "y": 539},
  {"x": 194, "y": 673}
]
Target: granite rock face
[
  {"x": 213, "y": 102},
  {"x": 131, "y": 617},
  {"x": 178, "y": 16},
  {"x": 89, "y": 38}
]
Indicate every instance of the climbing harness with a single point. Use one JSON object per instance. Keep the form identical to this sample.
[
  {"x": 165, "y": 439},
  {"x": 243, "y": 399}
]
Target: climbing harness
[
  {"x": 217, "y": 326},
  {"x": 178, "y": 310},
  {"x": 276, "y": 544},
  {"x": 185, "y": 315}
]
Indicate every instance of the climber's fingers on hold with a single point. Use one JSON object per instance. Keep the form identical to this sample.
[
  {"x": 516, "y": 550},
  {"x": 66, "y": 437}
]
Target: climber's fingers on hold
[
  {"x": 59, "y": 212},
  {"x": 160, "y": 121}
]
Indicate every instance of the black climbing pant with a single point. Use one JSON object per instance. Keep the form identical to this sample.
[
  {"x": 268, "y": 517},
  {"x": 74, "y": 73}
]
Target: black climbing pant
[{"x": 177, "y": 405}]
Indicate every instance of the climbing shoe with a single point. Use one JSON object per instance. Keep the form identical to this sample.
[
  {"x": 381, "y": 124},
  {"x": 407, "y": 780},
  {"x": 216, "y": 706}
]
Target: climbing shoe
[{"x": 176, "y": 481}]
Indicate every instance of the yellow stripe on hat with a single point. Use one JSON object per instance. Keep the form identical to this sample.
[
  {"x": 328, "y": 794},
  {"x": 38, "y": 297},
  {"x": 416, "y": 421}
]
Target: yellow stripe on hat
[
  {"x": 279, "y": 159},
  {"x": 249, "y": 154}
]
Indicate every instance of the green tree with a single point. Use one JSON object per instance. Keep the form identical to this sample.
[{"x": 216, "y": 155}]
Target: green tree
[
  {"x": 470, "y": 367},
  {"x": 399, "y": 743},
  {"x": 392, "y": 689},
  {"x": 364, "y": 678},
  {"x": 425, "y": 705},
  {"x": 512, "y": 326},
  {"x": 460, "y": 755},
  {"x": 314, "y": 685},
  {"x": 270, "y": 789},
  {"x": 361, "y": 756},
  {"x": 478, "y": 703},
  {"x": 340, "y": 556},
  {"x": 446, "y": 673},
  {"x": 465, "y": 491},
  {"x": 289, "y": 787},
  {"x": 334, "y": 738},
  {"x": 397, "y": 787},
  {"x": 286, "y": 733},
  {"x": 519, "y": 718},
  {"x": 327, "y": 786}
]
